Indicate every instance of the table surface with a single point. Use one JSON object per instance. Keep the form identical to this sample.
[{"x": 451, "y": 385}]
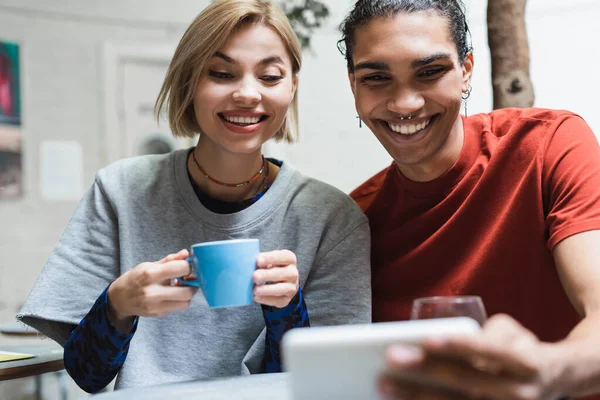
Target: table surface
[
  {"x": 17, "y": 329},
  {"x": 48, "y": 358},
  {"x": 253, "y": 387}
]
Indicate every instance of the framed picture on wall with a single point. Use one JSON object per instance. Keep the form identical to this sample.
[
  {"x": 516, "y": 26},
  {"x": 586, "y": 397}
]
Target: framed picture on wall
[{"x": 10, "y": 121}]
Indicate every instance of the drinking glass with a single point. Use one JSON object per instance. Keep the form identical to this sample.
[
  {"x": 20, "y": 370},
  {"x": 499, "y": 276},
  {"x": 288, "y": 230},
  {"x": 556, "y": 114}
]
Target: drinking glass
[{"x": 448, "y": 307}]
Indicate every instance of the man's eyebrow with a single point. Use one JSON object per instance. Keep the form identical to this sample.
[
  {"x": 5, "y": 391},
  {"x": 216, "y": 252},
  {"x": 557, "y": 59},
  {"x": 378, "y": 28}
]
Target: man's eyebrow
[
  {"x": 377, "y": 65},
  {"x": 428, "y": 60},
  {"x": 382, "y": 66}
]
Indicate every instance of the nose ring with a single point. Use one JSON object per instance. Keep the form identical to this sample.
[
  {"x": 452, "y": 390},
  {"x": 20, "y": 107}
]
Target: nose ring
[{"x": 409, "y": 117}]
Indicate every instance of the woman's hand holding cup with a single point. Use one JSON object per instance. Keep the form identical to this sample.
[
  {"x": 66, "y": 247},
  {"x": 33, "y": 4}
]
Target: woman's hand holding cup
[
  {"x": 276, "y": 278},
  {"x": 146, "y": 290}
]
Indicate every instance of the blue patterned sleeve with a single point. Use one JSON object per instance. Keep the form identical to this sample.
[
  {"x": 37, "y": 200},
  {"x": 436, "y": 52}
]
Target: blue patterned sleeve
[
  {"x": 279, "y": 321},
  {"x": 96, "y": 350}
]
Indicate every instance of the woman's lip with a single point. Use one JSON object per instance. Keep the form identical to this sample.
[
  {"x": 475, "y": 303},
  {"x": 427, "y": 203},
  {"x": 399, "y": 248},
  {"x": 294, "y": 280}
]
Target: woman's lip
[
  {"x": 247, "y": 129},
  {"x": 242, "y": 113},
  {"x": 261, "y": 117}
]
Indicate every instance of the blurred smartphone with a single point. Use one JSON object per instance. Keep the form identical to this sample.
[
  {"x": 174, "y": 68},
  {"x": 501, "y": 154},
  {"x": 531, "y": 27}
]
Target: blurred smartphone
[{"x": 345, "y": 361}]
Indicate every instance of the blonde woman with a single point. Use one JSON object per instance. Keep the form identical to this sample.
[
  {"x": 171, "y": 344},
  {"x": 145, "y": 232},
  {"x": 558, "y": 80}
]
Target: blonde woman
[{"x": 105, "y": 292}]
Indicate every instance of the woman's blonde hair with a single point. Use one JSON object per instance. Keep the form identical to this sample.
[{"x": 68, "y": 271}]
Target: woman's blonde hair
[{"x": 208, "y": 33}]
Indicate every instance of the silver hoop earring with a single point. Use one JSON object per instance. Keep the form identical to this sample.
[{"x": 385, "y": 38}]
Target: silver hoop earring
[
  {"x": 467, "y": 93},
  {"x": 465, "y": 96}
]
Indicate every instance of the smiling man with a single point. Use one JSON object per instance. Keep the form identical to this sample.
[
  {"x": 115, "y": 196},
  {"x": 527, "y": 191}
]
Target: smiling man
[{"x": 504, "y": 205}]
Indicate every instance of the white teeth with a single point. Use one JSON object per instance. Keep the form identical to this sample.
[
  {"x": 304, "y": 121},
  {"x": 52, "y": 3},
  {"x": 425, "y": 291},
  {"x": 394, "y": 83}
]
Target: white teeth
[
  {"x": 409, "y": 129},
  {"x": 242, "y": 120}
]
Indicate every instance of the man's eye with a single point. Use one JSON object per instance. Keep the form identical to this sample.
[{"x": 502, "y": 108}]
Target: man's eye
[
  {"x": 431, "y": 73},
  {"x": 374, "y": 79},
  {"x": 220, "y": 75}
]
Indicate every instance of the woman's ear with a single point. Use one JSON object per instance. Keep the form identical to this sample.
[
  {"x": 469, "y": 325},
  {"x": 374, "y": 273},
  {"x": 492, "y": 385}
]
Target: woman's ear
[{"x": 294, "y": 85}]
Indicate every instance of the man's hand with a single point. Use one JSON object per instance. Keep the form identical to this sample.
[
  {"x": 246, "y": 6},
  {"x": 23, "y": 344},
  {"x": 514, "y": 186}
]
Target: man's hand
[{"x": 504, "y": 361}]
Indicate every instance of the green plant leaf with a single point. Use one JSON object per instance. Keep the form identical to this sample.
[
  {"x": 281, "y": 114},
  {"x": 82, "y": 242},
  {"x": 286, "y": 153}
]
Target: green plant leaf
[{"x": 305, "y": 16}]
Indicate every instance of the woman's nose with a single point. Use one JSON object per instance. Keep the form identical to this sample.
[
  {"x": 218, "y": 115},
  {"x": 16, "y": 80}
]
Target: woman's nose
[{"x": 247, "y": 93}]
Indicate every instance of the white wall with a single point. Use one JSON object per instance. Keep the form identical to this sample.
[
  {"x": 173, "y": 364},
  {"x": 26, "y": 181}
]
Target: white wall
[
  {"x": 62, "y": 64},
  {"x": 62, "y": 69},
  {"x": 62, "y": 44}
]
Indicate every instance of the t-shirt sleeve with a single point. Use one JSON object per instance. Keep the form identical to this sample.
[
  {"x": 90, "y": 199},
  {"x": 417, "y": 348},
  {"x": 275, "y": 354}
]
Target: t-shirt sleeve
[
  {"x": 571, "y": 180},
  {"x": 84, "y": 262},
  {"x": 338, "y": 288},
  {"x": 96, "y": 350}
]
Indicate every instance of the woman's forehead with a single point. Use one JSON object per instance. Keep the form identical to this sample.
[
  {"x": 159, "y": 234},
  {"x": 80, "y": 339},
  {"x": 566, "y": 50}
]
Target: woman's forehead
[
  {"x": 256, "y": 35},
  {"x": 254, "y": 43}
]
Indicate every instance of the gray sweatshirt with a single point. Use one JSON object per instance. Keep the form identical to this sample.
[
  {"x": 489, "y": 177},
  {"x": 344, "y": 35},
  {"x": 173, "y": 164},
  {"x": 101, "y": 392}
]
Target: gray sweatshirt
[{"x": 141, "y": 209}]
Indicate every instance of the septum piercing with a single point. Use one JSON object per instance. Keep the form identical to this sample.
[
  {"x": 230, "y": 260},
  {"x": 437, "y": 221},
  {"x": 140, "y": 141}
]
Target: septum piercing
[{"x": 409, "y": 117}]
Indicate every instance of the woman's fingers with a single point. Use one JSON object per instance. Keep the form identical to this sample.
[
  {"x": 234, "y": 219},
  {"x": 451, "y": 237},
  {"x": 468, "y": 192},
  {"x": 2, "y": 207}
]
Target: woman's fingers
[
  {"x": 166, "y": 307},
  {"x": 159, "y": 300},
  {"x": 162, "y": 272},
  {"x": 279, "y": 302},
  {"x": 276, "y": 278},
  {"x": 276, "y": 290},
  {"x": 275, "y": 258},
  {"x": 288, "y": 273},
  {"x": 180, "y": 255},
  {"x": 160, "y": 293}
]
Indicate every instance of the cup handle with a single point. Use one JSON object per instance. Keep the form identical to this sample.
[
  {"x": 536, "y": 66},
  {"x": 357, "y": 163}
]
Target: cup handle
[{"x": 194, "y": 272}]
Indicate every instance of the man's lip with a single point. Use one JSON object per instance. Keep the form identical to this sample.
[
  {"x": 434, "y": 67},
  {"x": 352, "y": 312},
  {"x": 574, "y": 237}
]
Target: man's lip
[
  {"x": 409, "y": 137},
  {"x": 412, "y": 121}
]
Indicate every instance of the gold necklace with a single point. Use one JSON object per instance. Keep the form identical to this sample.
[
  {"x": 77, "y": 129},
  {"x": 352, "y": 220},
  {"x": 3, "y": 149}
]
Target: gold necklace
[
  {"x": 235, "y": 185},
  {"x": 264, "y": 185}
]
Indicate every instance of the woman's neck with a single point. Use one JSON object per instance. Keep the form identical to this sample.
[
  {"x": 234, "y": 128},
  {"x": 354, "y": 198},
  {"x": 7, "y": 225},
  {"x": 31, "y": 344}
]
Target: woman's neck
[{"x": 228, "y": 168}]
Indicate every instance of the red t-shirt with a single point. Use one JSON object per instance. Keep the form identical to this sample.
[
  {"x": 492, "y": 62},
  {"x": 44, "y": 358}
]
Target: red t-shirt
[{"x": 525, "y": 180}]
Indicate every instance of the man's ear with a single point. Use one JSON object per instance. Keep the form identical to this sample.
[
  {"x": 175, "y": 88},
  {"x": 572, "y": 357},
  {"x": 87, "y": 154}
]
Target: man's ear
[{"x": 467, "y": 71}]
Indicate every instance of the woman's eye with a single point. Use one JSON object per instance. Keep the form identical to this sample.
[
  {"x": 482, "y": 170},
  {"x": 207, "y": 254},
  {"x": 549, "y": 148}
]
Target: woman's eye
[
  {"x": 221, "y": 75},
  {"x": 271, "y": 78},
  {"x": 431, "y": 73}
]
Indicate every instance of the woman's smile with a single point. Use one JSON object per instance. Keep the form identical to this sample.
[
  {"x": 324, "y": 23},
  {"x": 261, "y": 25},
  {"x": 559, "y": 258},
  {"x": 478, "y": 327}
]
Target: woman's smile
[{"x": 243, "y": 122}]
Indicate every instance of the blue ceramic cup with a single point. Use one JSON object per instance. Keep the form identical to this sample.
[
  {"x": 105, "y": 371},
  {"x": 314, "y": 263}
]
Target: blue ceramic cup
[{"x": 224, "y": 271}]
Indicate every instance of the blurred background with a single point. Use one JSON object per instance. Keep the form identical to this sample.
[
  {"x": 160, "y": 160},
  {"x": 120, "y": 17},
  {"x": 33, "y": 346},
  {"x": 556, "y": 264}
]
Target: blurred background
[{"x": 83, "y": 77}]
